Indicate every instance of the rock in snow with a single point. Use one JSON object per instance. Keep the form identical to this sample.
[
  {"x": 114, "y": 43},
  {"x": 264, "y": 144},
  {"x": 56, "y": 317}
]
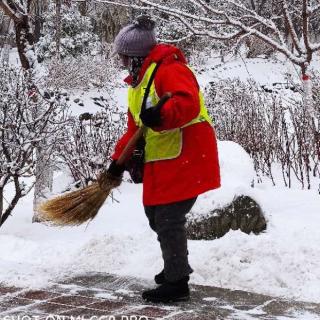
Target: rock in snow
[{"x": 228, "y": 208}]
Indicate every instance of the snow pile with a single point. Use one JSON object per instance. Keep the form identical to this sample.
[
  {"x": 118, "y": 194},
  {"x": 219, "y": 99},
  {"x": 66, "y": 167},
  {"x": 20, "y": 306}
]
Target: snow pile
[{"x": 237, "y": 174}]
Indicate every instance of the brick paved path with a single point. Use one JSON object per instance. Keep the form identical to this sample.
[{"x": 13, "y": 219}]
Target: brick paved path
[{"x": 108, "y": 297}]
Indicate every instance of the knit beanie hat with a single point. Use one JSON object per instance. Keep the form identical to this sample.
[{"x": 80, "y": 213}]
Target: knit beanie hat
[{"x": 136, "y": 39}]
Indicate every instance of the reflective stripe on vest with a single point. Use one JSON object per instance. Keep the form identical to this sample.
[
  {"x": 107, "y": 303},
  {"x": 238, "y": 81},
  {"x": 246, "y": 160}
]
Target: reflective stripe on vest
[{"x": 166, "y": 144}]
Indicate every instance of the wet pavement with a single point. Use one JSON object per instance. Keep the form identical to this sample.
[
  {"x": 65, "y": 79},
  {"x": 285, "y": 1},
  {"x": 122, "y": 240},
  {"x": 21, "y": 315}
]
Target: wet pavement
[{"x": 107, "y": 297}]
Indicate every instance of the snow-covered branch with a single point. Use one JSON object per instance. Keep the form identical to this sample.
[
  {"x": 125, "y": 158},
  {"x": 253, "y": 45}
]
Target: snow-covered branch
[
  {"x": 305, "y": 26},
  {"x": 11, "y": 10},
  {"x": 19, "y": 13},
  {"x": 291, "y": 28},
  {"x": 26, "y": 121},
  {"x": 312, "y": 10},
  {"x": 315, "y": 47},
  {"x": 236, "y": 19}
]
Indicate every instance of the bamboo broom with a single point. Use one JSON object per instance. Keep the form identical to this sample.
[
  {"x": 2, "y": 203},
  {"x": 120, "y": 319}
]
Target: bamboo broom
[{"x": 77, "y": 207}]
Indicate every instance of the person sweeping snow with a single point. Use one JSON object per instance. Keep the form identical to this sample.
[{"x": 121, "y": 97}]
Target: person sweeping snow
[{"x": 180, "y": 152}]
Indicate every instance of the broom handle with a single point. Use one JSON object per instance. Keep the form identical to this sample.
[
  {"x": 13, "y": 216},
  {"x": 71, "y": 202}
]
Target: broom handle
[
  {"x": 130, "y": 145},
  {"x": 138, "y": 134}
]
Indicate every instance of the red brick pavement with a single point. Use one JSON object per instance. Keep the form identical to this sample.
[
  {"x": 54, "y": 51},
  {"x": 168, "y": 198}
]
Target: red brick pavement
[{"x": 106, "y": 297}]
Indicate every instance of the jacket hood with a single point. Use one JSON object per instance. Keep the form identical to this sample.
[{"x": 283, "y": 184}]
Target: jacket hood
[
  {"x": 165, "y": 53},
  {"x": 161, "y": 52}
]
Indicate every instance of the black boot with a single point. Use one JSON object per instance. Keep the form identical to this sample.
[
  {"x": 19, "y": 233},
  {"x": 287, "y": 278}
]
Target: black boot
[
  {"x": 169, "y": 292},
  {"x": 159, "y": 278}
]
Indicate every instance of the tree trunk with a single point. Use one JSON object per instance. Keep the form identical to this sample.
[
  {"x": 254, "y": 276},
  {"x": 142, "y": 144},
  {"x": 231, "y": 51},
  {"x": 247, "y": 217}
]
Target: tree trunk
[
  {"x": 18, "y": 195},
  {"x": 58, "y": 28},
  {"x": 24, "y": 38},
  {"x": 113, "y": 19},
  {"x": 83, "y": 8},
  {"x": 1, "y": 203},
  {"x": 37, "y": 9},
  {"x": 307, "y": 91},
  {"x": 44, "y": 179}
]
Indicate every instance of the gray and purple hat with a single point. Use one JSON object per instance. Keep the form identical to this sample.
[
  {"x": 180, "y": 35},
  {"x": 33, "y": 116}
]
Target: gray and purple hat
[{"x": 136, "y": 39}]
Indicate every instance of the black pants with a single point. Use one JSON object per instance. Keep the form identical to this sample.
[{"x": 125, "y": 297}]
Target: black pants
[{"x": 168, "y": 221}]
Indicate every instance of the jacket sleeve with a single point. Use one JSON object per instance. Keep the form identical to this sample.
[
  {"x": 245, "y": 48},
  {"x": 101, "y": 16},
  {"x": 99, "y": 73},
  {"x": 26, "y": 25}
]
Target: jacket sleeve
[
  {"x": 184, "y": 105},
  {"x": 121, "y": 144}
]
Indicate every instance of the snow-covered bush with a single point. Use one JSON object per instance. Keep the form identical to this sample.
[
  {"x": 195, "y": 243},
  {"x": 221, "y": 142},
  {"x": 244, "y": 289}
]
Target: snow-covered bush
[
  {"x": 256, "y": 48},
  {"x": 90, "y": 141},
  {"x": 82, "y": 73},
  {"x": 77, "y": 36},
  {"x": 28, "y": 120},
  {"x": 274, "y": 130}
]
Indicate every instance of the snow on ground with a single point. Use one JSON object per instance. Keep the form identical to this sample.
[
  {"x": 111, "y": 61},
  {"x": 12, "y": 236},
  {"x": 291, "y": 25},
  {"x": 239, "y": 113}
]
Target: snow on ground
[
  {"x": 86, "y": 98},
  {"x": 264, "y": 71},
  {"x": 283, "y": 261}
]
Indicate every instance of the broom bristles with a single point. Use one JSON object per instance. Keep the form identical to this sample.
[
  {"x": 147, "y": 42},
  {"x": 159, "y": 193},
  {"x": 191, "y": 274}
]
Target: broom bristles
[
  {"x": 74, "y": 208},
  {"x": 80, "y": 206}
]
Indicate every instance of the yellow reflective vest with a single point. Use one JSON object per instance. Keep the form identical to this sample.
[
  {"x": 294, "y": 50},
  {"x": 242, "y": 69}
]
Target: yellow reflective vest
[{"x": 163, "y": 145}]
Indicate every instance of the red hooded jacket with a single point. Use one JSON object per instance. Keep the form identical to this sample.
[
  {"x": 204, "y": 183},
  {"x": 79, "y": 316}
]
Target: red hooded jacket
[{"x": 196, "y": 170}]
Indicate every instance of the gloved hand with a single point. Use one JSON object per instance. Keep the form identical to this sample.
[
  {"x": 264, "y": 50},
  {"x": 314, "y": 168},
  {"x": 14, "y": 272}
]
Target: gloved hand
[
  {"x": 151, "y": 117},
  {"x": 115, "y": 169},
  {"x": 112, "y": 177}
]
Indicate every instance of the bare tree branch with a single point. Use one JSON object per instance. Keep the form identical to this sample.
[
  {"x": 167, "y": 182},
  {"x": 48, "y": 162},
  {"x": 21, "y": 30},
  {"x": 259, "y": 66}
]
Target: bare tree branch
[
  {"x": 291, "y": 28},
  {"x": 240, "y": 22},
  {"x": 305, "y": 26},
  {"x": 10, "y": 11}
]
